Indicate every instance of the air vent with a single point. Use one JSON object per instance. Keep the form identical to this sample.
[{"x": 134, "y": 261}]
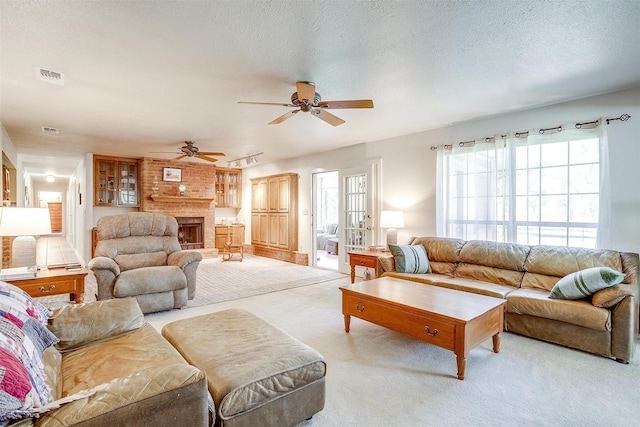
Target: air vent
[
  {"x": 50, "y": 76},
  {"x": 50, "y": 131}
]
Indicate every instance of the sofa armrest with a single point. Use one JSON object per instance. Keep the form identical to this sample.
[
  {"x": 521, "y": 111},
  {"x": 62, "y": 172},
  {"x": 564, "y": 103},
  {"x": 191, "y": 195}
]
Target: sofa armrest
[
  {"x": 387, "y": 263},
  {"x": 609, "y": 297},
  {"x": 183, "y": 258},
  {"x": 77, "y": 325},
  {"x": 104, "y": 263},
  {"x": 148, "y": 397}
]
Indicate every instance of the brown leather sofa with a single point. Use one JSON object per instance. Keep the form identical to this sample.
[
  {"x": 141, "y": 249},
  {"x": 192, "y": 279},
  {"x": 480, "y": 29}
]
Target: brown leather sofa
[
  {"x": 133, "y": 375},
  {"x": 605, "y": 324}
]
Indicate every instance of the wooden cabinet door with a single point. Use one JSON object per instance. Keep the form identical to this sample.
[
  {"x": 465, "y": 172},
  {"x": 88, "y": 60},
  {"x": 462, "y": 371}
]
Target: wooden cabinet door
[{"x": 259, "y": 195}]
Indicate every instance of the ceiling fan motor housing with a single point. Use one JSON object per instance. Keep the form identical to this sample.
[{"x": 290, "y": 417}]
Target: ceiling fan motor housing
[{"x": 305, "y": 104}]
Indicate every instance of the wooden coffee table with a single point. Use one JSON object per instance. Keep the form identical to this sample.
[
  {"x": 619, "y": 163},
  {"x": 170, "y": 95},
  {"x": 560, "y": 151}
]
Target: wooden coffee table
[{"x": 454, "y": 320}]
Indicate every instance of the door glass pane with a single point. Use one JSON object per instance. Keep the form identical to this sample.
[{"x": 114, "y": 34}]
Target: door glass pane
[{"x": 355, "y": 212}]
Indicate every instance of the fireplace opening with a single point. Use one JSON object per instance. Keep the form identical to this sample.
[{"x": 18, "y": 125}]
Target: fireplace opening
[{"x": 191, "y": 232}]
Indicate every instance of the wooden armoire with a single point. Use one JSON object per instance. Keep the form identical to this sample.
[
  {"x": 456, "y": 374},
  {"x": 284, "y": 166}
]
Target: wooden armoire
[{"x": 274, "y": 211}]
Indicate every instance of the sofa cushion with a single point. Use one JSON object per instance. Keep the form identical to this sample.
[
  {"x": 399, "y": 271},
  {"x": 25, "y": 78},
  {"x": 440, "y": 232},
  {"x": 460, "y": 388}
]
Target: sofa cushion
[
  {"x": 536, "y": 302},
  {"x": 144, "y": 258},
  {"x": 127, "y": 356},
  {"x": 442, "y": 252},
  {"x": 149, "y": 280},
  {"x": 476, "y": 286},
  {"x": 79, "y": 324},
  {"x": 331, "y": 229},
  {"x": 494, "y": 262},
  {"x": 410, "y": 258},
  {"x": 585, "y": 283},
  {"x": 428, "y": 278},
  {"x": 546, "y": 265}
]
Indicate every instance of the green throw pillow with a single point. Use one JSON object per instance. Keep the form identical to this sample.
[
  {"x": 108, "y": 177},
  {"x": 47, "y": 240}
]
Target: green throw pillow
[
  {"x": 585, "y": 282},
  {"x": 410, "y": 258}
]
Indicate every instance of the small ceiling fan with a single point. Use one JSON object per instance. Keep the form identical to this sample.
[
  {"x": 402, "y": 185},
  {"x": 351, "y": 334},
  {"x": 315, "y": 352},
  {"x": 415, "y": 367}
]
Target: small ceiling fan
[
  {"x": 308, "y": 100},
  {"x": 190, "y": 150}
]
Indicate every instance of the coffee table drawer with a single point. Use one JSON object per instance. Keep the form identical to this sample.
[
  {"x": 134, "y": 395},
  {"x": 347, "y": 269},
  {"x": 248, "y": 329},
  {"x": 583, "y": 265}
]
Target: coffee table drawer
[{"x": 425, "y": 328}]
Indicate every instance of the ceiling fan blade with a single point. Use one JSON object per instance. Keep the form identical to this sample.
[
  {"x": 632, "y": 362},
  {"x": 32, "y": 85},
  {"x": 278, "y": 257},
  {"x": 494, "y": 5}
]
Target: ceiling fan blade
[
  {"x": 327, "y": 117},
  {"x": 266, "y": 103},
  {"x": 180, "y": 157},
  {"x": 354, "y": 103},
  {"x": 211, "y": 153},
  {"x": 284, "y": 117},
  {"x": 306, "y": 90},
  {"x": 207, "y": 158}
]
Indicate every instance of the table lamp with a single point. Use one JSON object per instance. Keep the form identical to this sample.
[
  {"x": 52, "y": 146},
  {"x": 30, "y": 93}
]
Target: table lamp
[
  {"x": 391, "y": 220},
  {"x": 25, "y": 223}
]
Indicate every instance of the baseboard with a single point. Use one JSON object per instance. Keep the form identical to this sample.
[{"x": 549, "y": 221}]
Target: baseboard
[{"x": 293, "y": 257}]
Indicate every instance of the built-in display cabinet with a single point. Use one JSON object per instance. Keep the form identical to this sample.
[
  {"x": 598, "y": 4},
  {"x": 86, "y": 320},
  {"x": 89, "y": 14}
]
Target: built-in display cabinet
[
  {"x": 228, "y": 188},
  {"x": 116, "y": 181}
]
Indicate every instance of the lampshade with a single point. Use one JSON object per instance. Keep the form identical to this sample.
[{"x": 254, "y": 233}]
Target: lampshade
[
  {"x": 24, "y": 221},
  {"x": 391, "y": 219}
]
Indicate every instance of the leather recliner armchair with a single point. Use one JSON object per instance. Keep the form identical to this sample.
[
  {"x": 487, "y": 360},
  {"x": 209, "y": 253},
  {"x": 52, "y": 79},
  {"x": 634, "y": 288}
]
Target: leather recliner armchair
[{"x": 138, "y": 255}]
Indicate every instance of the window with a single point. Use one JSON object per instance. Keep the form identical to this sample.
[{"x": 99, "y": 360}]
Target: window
[{"x": 537, "y": 190}]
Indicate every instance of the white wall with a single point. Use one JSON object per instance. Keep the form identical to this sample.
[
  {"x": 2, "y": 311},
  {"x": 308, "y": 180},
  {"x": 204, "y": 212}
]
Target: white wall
[{"x": 408, "y": 177}]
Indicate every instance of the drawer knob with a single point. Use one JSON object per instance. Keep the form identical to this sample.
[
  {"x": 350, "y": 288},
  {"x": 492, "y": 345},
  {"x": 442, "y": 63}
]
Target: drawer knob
[
  {"x": 359, "y": 308},
  {"x": 428, "y": 331},
  {"x": 43, "y": 289},
  {"x": 363, "y": 262}
]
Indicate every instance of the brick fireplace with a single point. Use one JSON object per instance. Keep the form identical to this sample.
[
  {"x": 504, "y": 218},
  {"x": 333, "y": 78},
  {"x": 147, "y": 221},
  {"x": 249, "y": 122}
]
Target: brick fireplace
[{"x": 198, "y": 199}]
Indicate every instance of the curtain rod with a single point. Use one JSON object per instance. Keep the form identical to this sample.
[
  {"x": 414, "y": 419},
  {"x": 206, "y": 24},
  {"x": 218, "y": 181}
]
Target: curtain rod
[{"x": 581, "y": 125}]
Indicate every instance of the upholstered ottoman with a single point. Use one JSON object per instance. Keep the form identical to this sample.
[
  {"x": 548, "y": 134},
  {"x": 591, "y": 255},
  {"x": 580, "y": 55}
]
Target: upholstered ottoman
[
  {"x": 257, "y": 374},
  {"x": 332, "y": 246}
]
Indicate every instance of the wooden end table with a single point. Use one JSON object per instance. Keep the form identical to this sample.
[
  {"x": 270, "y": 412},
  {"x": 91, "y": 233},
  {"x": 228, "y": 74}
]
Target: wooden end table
[
  {"x": 368, "y": 259},
  {"x": 56, "y": 281},
  {"x": 451, "y": 319}
]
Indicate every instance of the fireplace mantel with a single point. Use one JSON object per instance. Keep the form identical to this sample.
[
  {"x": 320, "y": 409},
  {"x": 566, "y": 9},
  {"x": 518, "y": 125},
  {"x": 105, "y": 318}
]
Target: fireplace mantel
[{"x": 178, "y": 199}]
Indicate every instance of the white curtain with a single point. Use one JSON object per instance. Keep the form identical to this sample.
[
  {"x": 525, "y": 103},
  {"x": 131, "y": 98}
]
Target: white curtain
[
  {"x": 472, "y": 192},
  {"x": 518, "y": 189}
]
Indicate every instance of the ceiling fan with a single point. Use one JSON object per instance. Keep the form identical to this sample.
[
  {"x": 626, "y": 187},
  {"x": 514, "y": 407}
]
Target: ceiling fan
[
  {"x": 308, "y": 100},
  {"x": 190, "y": 150}
]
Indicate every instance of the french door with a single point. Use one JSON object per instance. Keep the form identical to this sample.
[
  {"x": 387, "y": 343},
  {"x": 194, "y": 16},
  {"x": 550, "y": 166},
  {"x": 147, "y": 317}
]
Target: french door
[{"x": 357, "y": 189}]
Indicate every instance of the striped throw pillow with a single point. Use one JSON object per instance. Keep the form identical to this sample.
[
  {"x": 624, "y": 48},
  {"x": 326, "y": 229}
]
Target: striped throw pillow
[
  {"x": 585, "y": 282},
  {"x": 410, "y": 258}
]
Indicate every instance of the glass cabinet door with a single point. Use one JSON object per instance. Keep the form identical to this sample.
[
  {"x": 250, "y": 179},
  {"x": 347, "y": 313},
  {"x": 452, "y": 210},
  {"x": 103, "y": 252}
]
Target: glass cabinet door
[
  {"x": 221, "y": 180},
  {"x": 233, "y": 195},
  {"x": 106, "y": 183},
  {"x": 128, "y": 184}
]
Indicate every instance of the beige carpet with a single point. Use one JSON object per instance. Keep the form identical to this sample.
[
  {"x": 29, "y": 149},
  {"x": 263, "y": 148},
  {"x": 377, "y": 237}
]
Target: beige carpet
[
  {"x": 218, "y": 281},
  {"x": 376, "y": 377}
]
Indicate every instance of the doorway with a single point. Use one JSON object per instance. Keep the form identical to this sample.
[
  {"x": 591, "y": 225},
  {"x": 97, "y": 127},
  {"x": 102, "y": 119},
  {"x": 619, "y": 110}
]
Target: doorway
[
  {"x": 53, "y": 201},
  {"x": 325, "y": 219}
]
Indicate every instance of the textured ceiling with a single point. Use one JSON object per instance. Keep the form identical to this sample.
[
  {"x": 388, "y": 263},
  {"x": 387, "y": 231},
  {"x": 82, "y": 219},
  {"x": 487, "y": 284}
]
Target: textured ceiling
[{"x": 142, "y": 77}]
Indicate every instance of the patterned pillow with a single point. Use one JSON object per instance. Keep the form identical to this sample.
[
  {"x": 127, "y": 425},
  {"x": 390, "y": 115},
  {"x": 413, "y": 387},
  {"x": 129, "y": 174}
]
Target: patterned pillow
[
  {"x": 410, "y": 258},
  {"x": 585, "y": 282}
]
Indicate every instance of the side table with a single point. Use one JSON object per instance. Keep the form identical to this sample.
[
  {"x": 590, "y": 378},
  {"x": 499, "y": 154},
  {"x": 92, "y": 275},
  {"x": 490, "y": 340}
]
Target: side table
[
  {"x": 367, "y": 259},
  {"x": 54, "y": 282}
]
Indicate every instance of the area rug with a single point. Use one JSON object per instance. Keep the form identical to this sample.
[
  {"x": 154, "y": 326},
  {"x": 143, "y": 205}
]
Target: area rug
[{"x": 218, "y": 280}]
